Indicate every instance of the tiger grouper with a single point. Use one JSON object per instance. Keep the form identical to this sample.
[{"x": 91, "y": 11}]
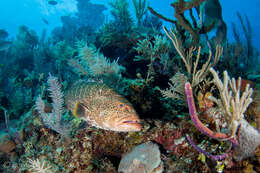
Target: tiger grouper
[{"x": 102, "y": 107}]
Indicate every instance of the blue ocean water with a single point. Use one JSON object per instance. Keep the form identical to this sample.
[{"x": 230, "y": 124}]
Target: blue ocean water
[
  {"x": 30, "y": 12},
  {"x": 84, "y": 84}
]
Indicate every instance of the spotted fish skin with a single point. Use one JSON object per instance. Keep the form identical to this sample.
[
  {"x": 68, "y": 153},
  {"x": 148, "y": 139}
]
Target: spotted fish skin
[{"x": 101, "y": 107}]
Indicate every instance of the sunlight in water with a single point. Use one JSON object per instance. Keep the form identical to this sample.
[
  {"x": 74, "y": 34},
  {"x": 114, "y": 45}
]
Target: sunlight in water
[{"x": 62, "y": 7}]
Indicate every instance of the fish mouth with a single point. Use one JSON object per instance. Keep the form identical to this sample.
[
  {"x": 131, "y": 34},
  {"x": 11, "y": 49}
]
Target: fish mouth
[
  {"x": 130, "y": 121},
  {"x": 130, "y": 124}
]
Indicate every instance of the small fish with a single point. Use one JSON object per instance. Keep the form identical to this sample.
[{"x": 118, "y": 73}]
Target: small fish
[
  {"x": 102, "y": 107},
  {"x": 52, "y": 2},
  {"x": 45, "y": 21},
  {"x": 4, "y": 45}
]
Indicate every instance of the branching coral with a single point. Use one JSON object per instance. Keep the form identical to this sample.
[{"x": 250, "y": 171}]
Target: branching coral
[
  {"x": 53, "y": 120},
  {"x": 231, "y": 103},
  {"x": 121, "y": 14},
  {"x": 155, "y": 49},
  {"x": 241, "y": 134},
  {"x": 61, "y": 52},
  {"x": 140, "y": 9},
  {"x": 25, "y": 43},
  {"x": 244, "y": 55},
  {"x": 176, "y": 89},
  {"x": 92, "y": 63},
  {"x": 179, "y": 8},
  {"x": 152, "y": 50},
  {"x": 195, "y": 76},
  {"x": 248, "y": 35},
  {"x": 37, "y": 167}
]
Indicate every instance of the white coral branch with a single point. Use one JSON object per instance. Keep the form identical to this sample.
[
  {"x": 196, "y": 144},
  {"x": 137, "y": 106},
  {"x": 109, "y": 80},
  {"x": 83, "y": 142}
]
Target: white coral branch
[
  {"x": 231, "y": 102},
  {"x": 37, "y": 167}
]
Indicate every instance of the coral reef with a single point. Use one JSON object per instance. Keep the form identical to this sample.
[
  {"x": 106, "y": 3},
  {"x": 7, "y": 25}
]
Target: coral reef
[
  {"x": 81, "y": 25},
  {"x": 195, "y": 76},
  {"x": 190, "y": 118},
  {"x": 120, "y": 12},
  {"x": 140, "y": 9},
  {"x": 179, "y": 8},
  {"x": 153, "y": 51},
  {"x": 241, "y": 53},
  {"x": 241, "y": 134}
]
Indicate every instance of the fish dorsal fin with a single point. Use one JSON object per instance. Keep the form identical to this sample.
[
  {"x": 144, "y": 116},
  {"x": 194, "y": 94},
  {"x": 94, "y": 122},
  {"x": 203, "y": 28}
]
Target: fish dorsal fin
[{"x": 80, "y": 110}]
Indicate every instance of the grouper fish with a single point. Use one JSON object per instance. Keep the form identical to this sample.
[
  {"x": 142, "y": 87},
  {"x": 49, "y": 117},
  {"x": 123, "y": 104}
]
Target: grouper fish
[{"x": 102, "y": 107}]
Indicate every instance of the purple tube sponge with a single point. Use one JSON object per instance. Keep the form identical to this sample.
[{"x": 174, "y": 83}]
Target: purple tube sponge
[{"x": 199, "y": 125}]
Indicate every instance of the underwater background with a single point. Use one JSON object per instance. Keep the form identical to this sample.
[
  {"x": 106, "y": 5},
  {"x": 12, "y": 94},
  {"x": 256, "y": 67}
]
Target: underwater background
[
  {"x": 129, "y": 86},
  {"x": 15, "y": 13}
]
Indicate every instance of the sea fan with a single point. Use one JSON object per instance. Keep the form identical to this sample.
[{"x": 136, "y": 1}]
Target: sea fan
[
  {"x": 53, "y": 120},
  {"x": 56, "y": 95}
]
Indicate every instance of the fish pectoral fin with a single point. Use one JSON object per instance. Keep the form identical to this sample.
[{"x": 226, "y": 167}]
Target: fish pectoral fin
[{"x": 80, "y": 110}]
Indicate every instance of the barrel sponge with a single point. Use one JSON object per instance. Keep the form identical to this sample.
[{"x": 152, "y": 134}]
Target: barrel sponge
[
  {"x": 143, "y": 158},
  {"x": 249, "y": 139}
]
